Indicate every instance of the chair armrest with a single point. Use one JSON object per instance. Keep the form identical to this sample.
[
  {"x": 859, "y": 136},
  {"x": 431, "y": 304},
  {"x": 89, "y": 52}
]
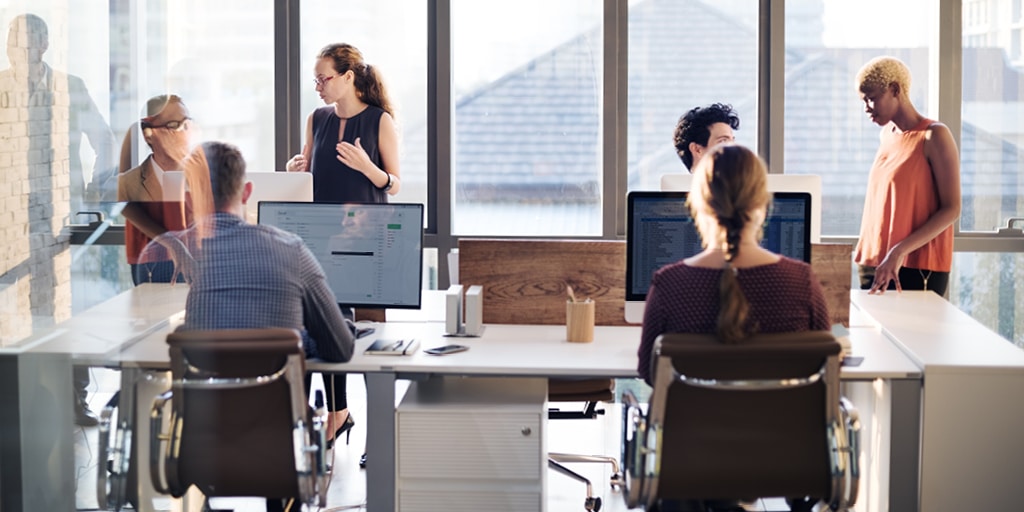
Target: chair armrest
[
  {"x": 851, "y": 421},
  {"x": 115, "y": 497},
  {"x": 157, "y": 438},
  {"x": 634, "y": 451}
]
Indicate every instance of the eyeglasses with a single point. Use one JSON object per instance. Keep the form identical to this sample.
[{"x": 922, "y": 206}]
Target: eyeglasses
[
  {"x": 170, "y": 125},
  {"x": 319, "y": 82}
]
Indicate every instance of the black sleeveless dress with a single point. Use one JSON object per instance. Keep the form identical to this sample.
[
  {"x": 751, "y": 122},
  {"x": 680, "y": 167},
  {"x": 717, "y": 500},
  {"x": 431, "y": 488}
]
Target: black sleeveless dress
[{"x": 334, "y": 181}]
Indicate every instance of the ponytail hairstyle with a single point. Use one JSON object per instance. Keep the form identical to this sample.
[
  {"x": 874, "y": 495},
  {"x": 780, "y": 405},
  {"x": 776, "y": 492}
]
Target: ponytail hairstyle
[
  {"x": 368, "y": 81},
  {"x": 729, "y": 185}
]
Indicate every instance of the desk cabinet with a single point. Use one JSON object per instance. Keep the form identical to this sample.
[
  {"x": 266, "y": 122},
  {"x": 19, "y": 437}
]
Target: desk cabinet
[{"x": 471, "y": 444}]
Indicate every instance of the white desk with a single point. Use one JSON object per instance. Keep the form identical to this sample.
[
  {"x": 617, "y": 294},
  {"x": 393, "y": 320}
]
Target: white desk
[
  {"x": 503, "y": 350},
  {"x": 971, "y": 453}
]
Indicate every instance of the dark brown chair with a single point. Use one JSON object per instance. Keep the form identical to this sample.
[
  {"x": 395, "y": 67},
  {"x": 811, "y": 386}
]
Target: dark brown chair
[
  {"x": 240, "y": 423},
  {"x": 762, "y": 418}
]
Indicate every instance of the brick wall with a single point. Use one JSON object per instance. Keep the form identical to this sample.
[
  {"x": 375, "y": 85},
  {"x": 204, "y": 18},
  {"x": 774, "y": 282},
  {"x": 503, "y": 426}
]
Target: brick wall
[{"x": 35, "y": 276}]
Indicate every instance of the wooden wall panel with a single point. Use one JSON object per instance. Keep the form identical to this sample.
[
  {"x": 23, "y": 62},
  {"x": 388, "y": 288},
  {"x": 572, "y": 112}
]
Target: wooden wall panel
[
  {"x": 525, "y": 280},
  {"x": 832, "y": 263}
]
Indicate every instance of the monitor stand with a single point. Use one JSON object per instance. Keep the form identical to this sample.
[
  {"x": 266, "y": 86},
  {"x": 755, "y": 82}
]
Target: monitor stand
[{"x": 634, "y": 311}]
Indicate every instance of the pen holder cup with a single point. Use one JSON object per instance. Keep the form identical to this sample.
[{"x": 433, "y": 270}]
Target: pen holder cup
[{"x": 579, "y": 321}]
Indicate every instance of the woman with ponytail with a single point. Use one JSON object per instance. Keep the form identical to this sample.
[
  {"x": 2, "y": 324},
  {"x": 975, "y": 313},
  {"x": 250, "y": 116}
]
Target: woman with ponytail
[
  {"x": 733, "y": 288},
  {"x": 351, "y": 147}
]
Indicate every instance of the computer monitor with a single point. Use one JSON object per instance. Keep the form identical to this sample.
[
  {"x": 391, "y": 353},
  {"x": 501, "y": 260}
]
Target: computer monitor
[
  {"x": 661, "y": 231},
  {"x": 372, "y": 253},
  {"x": 810, "y": 183},
  {"x": 277, "y": 186}
]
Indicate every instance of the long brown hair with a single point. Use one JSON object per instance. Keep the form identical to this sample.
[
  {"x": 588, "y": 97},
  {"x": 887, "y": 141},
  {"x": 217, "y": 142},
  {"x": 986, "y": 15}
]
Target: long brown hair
[
  {"x": 729, "y": 184},
  {"x": 368, "y": 81}
]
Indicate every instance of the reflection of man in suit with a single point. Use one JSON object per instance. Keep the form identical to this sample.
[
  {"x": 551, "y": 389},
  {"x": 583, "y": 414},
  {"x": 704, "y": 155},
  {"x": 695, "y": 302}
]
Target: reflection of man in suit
[
  {"x": 27, "y": 40},
  {"x": 47, "y": 97},
  {"x": 149, "y": 211}
]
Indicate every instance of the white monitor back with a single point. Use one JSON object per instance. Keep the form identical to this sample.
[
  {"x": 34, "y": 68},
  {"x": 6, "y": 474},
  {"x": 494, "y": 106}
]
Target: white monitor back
[
  {"x": 277, "y": 186},
  {"x": 810, "y": 183}
]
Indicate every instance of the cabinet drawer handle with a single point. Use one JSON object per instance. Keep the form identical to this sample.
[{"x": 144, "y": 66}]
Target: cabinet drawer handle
[{"x": 525, "y": 431}]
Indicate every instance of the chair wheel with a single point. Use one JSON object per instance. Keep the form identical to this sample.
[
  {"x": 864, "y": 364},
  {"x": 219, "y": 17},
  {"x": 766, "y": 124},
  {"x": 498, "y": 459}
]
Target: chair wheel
[
  {"x": 801, "y": 504},
  {"x": 592, "y": 503},
  {"x": 617, "y": 482}
]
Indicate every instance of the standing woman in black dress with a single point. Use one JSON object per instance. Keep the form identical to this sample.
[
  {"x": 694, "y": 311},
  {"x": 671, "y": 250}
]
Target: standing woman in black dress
[{"x": 351, "y": 147}]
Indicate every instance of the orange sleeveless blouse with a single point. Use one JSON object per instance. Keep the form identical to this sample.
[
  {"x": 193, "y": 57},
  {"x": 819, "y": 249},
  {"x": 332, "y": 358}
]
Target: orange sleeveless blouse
[{"x": 901, "y": 196}]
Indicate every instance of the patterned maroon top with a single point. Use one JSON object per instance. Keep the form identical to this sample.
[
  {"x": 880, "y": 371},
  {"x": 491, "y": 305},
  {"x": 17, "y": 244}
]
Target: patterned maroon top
[{"x": 784, "y": 297}]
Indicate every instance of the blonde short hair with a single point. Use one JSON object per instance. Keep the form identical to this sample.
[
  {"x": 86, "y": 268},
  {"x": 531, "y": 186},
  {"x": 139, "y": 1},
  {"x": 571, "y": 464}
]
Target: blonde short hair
[{"x": 880, "y": 72}]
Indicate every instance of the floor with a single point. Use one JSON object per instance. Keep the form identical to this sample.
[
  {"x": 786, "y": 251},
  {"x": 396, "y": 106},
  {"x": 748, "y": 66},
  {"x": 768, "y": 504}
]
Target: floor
[{"x": 347, "y": 489}]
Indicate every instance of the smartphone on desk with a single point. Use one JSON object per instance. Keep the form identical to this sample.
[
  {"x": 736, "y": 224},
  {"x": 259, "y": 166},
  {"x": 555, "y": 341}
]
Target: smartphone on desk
[{"x": 447, "y": 349}]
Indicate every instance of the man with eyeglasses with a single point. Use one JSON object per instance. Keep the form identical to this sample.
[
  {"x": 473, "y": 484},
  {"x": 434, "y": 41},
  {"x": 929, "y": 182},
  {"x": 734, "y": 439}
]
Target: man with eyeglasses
[{"x": 152, "y": 192}]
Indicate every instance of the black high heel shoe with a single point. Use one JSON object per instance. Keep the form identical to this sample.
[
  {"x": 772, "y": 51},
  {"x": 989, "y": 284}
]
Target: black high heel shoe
[{"x": 345, "y": 428}]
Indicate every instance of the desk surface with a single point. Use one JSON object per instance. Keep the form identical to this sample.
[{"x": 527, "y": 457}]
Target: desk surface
[
  {"x": 937, "y": 335},
  {"x": 130, "y": 329},
  {"x": 95, "y": 335}
]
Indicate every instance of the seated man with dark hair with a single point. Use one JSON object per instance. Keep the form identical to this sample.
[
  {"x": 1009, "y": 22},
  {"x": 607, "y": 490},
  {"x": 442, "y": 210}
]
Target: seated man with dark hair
[
  {"x": 702, "y": 128},
  {"x": 245, "y": 276}
]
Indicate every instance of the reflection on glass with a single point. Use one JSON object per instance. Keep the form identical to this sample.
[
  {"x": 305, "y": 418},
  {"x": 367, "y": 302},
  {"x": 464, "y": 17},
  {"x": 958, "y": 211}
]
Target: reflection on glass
[
  {"x": 993, "y": 114},
  {"x": 683, "y": 55},
  {"x": 990, "y": 288},
  {"x": 826, "y": 130},
  {"x": 527, "y": 139},
  {"x": 218, "y": 57}
]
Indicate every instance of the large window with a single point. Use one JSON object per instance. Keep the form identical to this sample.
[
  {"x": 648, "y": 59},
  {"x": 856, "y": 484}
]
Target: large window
[
  {"x": 826, "y": 130},
  {"x": 392, "y": 36},
  {"x": 683, "y": 55},
  {"x": 988, "y": 285},
  {"x": 992, "y": 139},
  {"x": 527, "y": 124}
]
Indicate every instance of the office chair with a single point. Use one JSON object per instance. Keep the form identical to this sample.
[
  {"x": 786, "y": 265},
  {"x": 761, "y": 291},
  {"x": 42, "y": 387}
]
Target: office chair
[
  {"x": 590, "y": 392},
  {"x": 239, "y": 424},
  {"x": 762, "y": 418}
]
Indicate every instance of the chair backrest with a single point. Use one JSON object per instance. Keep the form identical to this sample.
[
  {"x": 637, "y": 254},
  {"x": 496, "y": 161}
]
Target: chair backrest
[
  {"x": 236, "y": 437},
  {"x": 744, "y": 420}
]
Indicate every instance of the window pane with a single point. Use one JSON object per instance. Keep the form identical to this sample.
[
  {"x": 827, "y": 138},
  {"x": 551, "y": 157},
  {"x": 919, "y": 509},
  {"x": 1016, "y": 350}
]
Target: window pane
[
  {"x": 683, "y": 55},
  {"x": 57, "y": 158},
  {"x": 392, "y": 35},
  {"x": 988, "y": 286},
  {"x": 216, "y": 56},
  {"x": 993, "y": 115},
  {"x": 827, "y": 131},
  {"x": 527, "y": 136}
]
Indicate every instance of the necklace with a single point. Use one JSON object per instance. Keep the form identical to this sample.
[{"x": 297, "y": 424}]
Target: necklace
[{"x": 924, "y": 277}]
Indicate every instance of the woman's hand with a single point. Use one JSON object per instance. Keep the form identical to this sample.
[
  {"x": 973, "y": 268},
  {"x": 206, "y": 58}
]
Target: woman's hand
[
  {"x": 888, "y": 270},
  {"x": 296, "y": 164},
  {"x": 354, "y": 156}
]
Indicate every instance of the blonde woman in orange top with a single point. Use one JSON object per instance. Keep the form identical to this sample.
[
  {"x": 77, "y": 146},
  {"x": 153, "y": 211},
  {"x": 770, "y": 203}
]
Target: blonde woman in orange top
[{"x": 913, "y": 196}]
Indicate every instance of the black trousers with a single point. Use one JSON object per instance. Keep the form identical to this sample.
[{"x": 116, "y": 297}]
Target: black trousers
[{"x": 910, "y": 279}]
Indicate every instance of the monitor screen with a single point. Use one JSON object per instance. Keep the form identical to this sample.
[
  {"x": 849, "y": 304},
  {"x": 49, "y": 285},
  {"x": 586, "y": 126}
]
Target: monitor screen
[
  {"x": 661, "y": 231},
  {"x": 810, "y": 183},
  {"x": 372, "y": 253}
]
